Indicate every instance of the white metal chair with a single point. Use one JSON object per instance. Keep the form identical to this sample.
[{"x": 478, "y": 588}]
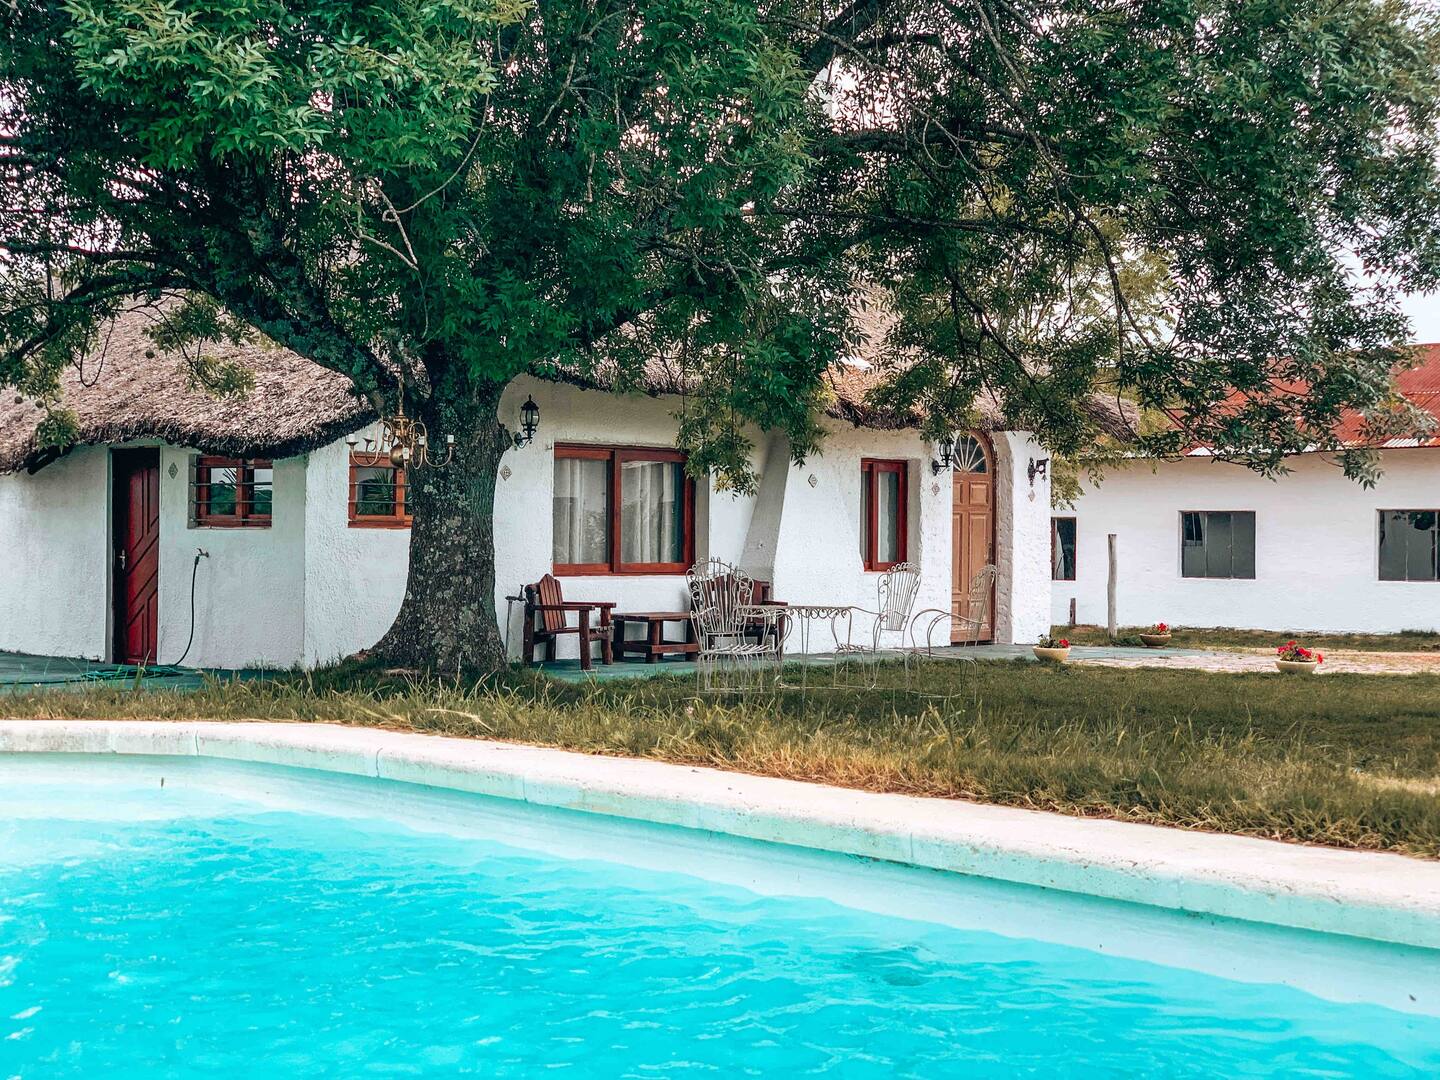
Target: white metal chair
[
  {"x": 737, "y": 653},
  {"x": 966, "y": 625},
  {"x": 895, "y": 594}
]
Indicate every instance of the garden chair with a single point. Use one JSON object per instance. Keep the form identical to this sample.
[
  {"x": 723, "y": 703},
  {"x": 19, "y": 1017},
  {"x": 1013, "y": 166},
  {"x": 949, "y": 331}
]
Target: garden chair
[
  {"x": 739, "y": 640},
  {"x": 965, "y": 625},
  {"x": 895, "y": 594},
  {"x": 546, "y": 600}
]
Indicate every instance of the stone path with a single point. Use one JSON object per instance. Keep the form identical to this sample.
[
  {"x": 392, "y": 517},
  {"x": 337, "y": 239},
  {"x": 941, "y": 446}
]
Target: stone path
[{"x": 1336, "y": 661}]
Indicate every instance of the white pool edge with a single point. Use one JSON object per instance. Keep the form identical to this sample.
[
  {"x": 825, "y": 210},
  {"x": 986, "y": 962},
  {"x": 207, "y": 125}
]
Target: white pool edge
[{"x": 1371, "y": 895}]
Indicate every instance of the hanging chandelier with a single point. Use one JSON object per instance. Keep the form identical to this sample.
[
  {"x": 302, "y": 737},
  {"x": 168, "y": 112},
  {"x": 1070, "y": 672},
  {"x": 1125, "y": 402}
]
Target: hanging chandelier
[{"x": 404, "y": 443}]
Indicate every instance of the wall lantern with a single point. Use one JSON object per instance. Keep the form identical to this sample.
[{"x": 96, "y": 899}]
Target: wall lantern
[
  {"x": 403, "y": 443},
  {"x": 1038, "y": 467},
  {"x": 529, "y": 422},
  {"x": 947, "y": 457}
]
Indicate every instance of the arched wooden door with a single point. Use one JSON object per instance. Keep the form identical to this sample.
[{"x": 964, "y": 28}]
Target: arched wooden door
[{"x": 973, "y": 533}]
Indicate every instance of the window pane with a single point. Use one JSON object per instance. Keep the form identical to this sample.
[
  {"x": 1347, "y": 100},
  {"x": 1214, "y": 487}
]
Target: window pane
[
  {"x": 224, "y": 485},
  {"x": 1420, "y": 545},
  {"x": 261, "y": 487},
  {"x": 1062, "y": 549},
  {"x": 887, "y": 517},
  {"x": 581, "y": 514},
  {"x": 1394, "y": 525},
  {"x": 1217, "y": 546},
  {"x": 652, "y": 526},
  {"x": 375, "y": 491},
  {"x": 1242, "y": 544},
  {"x": 1192, "y": 545}
]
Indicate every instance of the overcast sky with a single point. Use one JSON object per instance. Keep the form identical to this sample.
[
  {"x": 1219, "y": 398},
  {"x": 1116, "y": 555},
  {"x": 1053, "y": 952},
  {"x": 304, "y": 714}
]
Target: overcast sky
[{"x": 1424, "y": 312}]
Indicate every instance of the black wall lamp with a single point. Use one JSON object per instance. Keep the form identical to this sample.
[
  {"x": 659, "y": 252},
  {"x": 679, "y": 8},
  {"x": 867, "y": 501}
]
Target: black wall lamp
[
  {"x": 947, "y": 457},
  {"x": 529, "y": 422},
  {"x": 1038, "y": 467}
]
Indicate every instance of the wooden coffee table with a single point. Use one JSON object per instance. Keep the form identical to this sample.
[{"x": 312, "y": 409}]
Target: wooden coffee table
[{"x": 654, "y": 645}]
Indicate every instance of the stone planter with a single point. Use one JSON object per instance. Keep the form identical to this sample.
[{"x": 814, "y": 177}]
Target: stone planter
[
  {"x": 1296, "y": 667},
  {"x": 1056, "y": 656},
  {"x": 1155, "y": 641}
]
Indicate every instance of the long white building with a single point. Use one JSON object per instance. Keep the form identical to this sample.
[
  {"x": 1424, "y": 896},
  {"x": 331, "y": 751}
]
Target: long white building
[{"x": 1204, "y": 543}]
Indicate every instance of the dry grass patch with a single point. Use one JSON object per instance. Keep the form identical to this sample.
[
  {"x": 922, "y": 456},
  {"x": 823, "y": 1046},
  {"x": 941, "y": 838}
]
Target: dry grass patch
[{"x": 1346, "y": 760}]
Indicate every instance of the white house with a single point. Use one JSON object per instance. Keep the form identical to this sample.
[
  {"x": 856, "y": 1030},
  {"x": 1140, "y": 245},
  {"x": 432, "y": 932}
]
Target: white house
[
  {"x": 305, "y": 550},
  {"x": 1204, "y": 543}
]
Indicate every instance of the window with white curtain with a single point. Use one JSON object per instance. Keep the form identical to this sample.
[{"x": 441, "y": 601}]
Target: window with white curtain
[{"x": 622, "y": 511}]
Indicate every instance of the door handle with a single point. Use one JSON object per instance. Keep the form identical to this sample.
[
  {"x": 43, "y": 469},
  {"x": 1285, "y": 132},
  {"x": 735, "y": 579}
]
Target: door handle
[{"x": 121, "y": 558}]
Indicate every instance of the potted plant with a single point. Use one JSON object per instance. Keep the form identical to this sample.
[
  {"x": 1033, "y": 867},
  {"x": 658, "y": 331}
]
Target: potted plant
[
  {"x": 1157, "y": 637},
  {"x": 1293, "y": 659},
  {"x": 1053, "y": 649}
]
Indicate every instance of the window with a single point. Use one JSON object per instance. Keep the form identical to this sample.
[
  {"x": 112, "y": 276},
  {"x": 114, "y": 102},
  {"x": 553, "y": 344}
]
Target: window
[
  {"x": 884, "y": 503},
  {"x": 379, "y": 496},
  {"x": 231, "y": 493},
  {"x": 1217, "y": 544},
  {"x": 1409, "y": 547},
  {"x": 622, "y": 511},
  {"x": 1062, "y": 549}
]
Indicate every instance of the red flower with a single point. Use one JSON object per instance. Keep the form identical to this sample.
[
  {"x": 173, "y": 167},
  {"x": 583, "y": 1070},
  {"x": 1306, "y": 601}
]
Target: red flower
[
  {"x": 1064, "y": 643},
  {"x": 1319, "y": 658},
  {"x": 1161, "y": 628}
]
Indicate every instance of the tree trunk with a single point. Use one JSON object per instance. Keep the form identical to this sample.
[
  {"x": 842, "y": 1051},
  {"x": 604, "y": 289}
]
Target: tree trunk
[{"x": 447, "y": 619}]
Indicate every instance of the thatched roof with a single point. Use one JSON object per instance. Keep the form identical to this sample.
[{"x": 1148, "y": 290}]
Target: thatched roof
[{"x": 131, "y": 389}]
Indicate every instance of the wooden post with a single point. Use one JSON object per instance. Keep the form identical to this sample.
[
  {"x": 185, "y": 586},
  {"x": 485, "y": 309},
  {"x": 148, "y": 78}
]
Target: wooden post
[
  {"x": 1072, "y": 612},
  {"x": 1110, "y": 626}
]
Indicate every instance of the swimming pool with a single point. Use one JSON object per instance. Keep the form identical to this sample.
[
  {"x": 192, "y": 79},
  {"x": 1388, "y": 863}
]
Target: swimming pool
[{"x": 192, "y": 917}]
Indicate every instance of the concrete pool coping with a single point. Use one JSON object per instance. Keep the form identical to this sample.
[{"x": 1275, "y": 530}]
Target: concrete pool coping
[{"x": 1379, "y": 896}]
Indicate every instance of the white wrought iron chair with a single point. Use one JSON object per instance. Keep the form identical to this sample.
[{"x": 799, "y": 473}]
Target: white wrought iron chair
[
  {"x": 965, "y": 626},
  {"x": 895, "y": 595},
  {"x": 739, "y": 642}
]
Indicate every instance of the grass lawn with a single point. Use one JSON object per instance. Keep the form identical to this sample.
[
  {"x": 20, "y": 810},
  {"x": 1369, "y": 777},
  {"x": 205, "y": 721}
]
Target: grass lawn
[
  {"x": 1351, "y": 760},
  {"x": 1221, "y": 637}
]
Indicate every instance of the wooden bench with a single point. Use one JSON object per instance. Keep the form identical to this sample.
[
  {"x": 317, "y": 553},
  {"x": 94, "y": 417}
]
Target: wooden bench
[
  {"x": 653, "y": 645},
  {"x": 546, "y": 600}
]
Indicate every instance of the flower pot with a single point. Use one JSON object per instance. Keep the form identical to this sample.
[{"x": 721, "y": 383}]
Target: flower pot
[
  {"x": 1155, "y": 641},
  {"x": 1058, "y": 656},
  {"x": 1296, "y": 667}
]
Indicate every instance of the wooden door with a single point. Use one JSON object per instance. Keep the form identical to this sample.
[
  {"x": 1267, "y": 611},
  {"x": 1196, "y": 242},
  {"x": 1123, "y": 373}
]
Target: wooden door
[
  {"x": 136, "y": 499},
  {"x": 973, "y": 535}
]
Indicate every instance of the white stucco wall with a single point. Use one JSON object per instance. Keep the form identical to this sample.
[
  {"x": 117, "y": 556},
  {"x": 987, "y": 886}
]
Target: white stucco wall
[
  {"x": 55, "y": 566},
  {"x": 1316, "y": 547},
  {"x": 354, "y": 577},
  {"x": 249, "y": 593},
  {"x": 1022, "y": 559}
]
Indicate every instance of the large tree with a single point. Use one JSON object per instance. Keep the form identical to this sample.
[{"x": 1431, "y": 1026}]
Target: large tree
[{"x": 1173, "y": 201}]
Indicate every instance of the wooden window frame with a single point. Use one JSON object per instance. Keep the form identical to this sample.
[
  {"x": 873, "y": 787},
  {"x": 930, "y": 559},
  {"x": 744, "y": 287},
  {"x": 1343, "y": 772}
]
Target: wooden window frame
[
  {"x": 615, "y": 456},
  {"x": 397, "y": 518},
  {"x": 870, "y": 470},
  {"x": 1055, "y": 539},
  {"x": 245, "y": 516}
]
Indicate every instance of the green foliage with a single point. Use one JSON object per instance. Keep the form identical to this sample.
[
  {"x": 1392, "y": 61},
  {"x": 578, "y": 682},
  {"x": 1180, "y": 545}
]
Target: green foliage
[{"x": 1160, "y": 202}]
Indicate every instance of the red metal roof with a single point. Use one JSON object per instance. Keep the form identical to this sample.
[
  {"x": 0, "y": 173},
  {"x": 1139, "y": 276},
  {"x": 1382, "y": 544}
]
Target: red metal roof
[{"x": 1419, "y": 384}]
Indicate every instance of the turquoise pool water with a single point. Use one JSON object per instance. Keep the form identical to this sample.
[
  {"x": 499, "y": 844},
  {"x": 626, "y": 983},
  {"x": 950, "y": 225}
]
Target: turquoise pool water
[{"x": 247, "y": 922}]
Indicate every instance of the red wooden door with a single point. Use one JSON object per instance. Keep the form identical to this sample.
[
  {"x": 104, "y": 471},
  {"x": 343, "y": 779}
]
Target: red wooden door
[
  {"x": 137, "y": 554},
  {"x": 973, "y": 536}
]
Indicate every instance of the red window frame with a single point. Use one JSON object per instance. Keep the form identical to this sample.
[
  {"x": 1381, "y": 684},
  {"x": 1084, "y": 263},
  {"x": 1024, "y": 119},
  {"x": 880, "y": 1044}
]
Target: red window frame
[
  {"x": 871, "y": 469},
  {"x": 397, "y": 518},
  {"x": 615, "y": 456},
  {"x": 245, "y": 515}
]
